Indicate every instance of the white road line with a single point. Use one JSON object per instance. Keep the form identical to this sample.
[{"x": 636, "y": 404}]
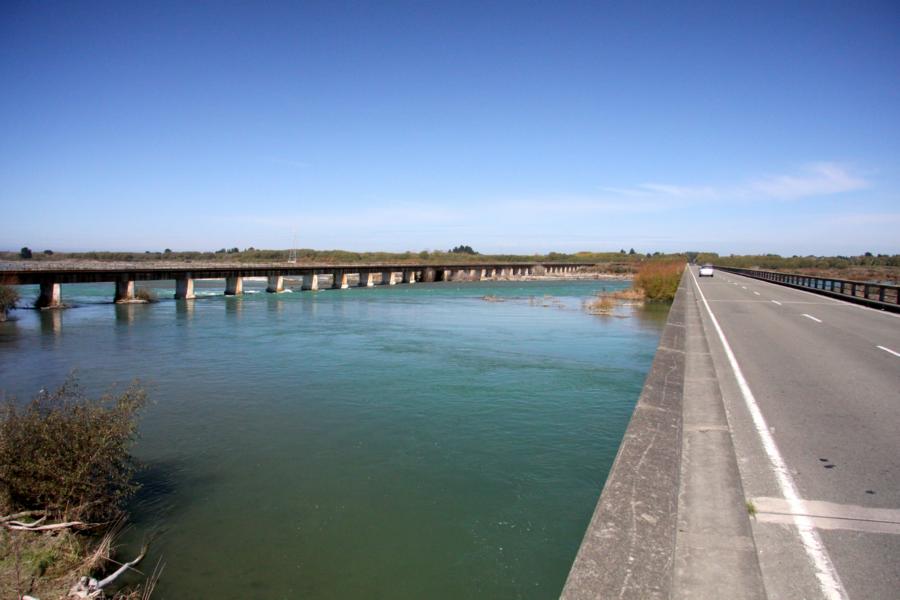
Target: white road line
[
  {"x": 836, "y": 300},
  {"x": 743, "y": 287},
  {"x": 757, "y": 293},
  {"x": 829, "y": 582},
  {"x": 777, "y": 302},
  {"x": 812, "y": 317},
  {"x": 889, "y": 350}
]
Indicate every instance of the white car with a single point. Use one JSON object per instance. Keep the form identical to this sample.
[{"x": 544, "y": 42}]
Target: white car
[{"x": 706, "y": 271}]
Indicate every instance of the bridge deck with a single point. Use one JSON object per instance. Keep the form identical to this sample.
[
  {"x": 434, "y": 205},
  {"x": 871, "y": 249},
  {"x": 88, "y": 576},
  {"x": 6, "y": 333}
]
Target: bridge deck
[
  {"x": 789, "y": 402},
  {"x": 826, "y": 378}
]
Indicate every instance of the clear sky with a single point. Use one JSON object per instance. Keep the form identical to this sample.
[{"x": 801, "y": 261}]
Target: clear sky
[{"x": 520, "y": 126}]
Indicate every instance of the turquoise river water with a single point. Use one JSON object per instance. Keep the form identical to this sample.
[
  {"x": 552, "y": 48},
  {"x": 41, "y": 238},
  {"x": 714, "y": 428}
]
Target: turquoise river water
[{"x": 406, "y": 442}]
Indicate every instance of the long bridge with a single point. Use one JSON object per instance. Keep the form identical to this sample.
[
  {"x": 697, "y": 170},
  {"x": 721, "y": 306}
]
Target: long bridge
[
  {"x": 50, "y": 279},
  {"x": 762, "y": 459}
]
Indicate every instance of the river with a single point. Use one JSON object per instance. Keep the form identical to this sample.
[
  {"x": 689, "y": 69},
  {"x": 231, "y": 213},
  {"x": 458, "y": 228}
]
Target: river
[{"x": 405, "y": 442}]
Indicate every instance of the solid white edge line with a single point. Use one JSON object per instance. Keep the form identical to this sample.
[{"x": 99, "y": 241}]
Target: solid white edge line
[
  {"x": 829, "y": 581},
  {"x": 889, "y": 350},
  {"x": 812, "y": 317},
  {"x": 777, "y": 302}
]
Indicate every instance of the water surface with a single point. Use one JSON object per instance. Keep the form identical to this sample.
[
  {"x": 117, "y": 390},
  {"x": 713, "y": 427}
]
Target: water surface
[{"x": 405, "y": 442}]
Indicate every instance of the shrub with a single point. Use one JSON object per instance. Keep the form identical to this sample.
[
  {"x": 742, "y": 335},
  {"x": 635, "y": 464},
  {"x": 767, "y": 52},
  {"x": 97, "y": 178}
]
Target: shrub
[
  {"x": 145, "y": 295},
  {"x": 659, "y": 279},
  {"x": 69, "y": 454},
  {"x": 25, "y": 252},
  {"x": 8, "y": 298}
]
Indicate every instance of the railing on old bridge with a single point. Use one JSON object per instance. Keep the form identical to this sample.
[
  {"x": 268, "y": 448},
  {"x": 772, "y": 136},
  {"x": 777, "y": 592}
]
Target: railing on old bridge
[
  {"x": 50, "y": 280},
  {"x": 874, "y": 295}
]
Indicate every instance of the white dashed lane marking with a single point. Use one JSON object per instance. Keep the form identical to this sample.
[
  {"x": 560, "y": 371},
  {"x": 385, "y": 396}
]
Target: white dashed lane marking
[
  {"x": 889, "y": 350},
  {"x": 812, "y": 317},
  {"x": 777, "y": 302}
]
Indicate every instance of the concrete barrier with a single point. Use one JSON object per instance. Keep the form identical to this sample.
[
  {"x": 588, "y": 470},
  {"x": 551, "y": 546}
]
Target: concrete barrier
[{"x": 628, "y": 549}]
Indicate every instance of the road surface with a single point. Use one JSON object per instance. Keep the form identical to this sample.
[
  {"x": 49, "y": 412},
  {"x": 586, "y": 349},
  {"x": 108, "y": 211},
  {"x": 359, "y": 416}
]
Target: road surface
[{"x": 811, "y": 388}]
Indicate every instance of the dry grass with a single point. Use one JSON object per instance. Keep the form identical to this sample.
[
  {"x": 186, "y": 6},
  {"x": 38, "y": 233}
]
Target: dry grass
[{"x": 603, "y": 304}]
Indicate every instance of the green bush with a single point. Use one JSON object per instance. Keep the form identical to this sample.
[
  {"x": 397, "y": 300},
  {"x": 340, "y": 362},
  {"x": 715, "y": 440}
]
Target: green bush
[{"x": 69, "y": 454}]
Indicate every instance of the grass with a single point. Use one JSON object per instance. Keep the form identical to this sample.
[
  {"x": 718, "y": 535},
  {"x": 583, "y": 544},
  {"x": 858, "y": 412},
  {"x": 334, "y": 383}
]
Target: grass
[{"x": 751, "y": 508}]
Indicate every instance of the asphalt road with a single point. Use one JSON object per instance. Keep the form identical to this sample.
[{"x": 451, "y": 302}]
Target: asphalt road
[{"x": 825, "y": 376}]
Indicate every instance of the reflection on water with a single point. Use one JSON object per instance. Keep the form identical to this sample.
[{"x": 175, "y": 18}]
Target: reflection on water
[
  {"x": 404, "y": 442},
  {"x": 184, "y": 309},
  {"x": 51, "y": 321}
]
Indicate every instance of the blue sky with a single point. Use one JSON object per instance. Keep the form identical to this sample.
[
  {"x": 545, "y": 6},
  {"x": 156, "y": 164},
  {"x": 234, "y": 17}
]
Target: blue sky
[{"x": 511, "y": 127}]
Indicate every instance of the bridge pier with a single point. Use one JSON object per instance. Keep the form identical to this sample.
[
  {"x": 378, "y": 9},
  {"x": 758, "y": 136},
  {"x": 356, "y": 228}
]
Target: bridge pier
[
  {"x": 339, "y": 281},
  {"x": 51, "y": 296},
  {"x": 428, "y": 275},
  {"x": 234, "y": 286},
  {"x": 276, "y": 284},
  {"x": 124, "y": 290},
  {"x": 366, "y": 279},
  {"x": 184, "y": 289},
  {"x": 310, "y": 283},
  {"x": 409, "y": 276},
  {"x": 387, "y": 278}
]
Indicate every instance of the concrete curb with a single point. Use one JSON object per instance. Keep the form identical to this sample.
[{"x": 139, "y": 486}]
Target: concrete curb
[{"x": 629, "y": 547}]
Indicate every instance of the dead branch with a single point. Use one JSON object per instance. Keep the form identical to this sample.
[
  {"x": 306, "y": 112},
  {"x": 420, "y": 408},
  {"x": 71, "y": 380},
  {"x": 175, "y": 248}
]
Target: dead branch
[
  {"x": 21, "y": 515},
  {"x": 19, "y": 526},
  {"x": 88, "y": 587}
]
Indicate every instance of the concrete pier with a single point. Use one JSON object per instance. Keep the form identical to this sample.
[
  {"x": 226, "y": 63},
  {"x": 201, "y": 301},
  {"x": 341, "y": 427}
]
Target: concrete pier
[
  {"x": 124, "y": 290},
  {"x": 234, "y": 286},
  {"x": 184, "y": 289},
  {"x": 409, "y": 276},
  {"x": 339, "y": 281},
  {"x": 310, "y": 282},
  {"x": 50, "y": 297},
  {"x": 276, "y": 284},
  {"x": 387, "y": 278},
  {"x": 366, "y": 279}
]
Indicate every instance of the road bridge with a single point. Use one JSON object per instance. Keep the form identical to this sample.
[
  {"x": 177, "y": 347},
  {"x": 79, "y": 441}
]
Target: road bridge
[
  {"x": 763, "y": 456},
  {"x": 51, "y": 279}
]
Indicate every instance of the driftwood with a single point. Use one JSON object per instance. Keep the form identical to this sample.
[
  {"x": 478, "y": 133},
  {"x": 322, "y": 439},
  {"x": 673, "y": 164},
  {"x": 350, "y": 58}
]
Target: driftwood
[
  {"x": 37, "y": 525},
  {"x": 21, "y": 515},
  {"x": 88, "y": 587}
]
